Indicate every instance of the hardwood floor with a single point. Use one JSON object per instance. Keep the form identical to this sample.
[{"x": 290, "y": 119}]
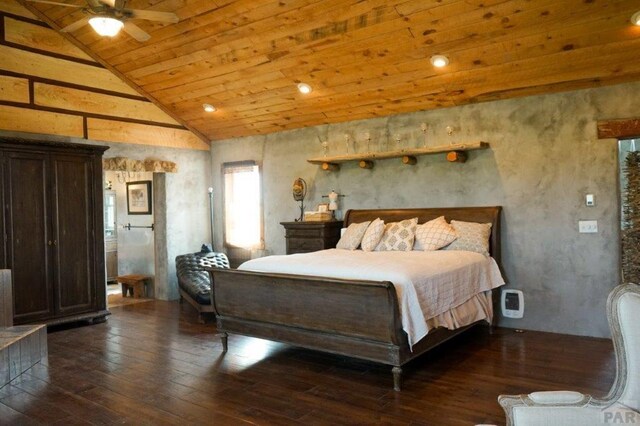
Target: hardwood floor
[{"x": 152, "y": 363}]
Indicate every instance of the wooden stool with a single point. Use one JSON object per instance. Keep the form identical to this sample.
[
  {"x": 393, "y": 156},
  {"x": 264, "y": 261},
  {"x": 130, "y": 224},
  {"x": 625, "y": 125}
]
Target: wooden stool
[{"x": 133, "y": 284}]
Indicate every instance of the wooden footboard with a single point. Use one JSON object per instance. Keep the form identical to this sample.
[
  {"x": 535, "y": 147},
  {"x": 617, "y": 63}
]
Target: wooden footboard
[
  {"x": 359, "y": 319},
  {"x": 355, "y": 318}
]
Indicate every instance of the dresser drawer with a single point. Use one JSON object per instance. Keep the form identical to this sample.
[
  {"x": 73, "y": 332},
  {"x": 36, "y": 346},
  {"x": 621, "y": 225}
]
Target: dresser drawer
[
  {"x": 299, "y": 245},
  {"x": 305, "y": 233}
]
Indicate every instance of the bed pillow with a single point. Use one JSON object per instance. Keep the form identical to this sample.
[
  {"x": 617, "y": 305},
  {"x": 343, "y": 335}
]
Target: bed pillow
[
  {"x": 398, "y": 236},
  {"x": 353, "y": 236},
  {"x": 434, "y": 235},
  {"x": 471, "y": 237},
  {"x": 373, "y": 235}
]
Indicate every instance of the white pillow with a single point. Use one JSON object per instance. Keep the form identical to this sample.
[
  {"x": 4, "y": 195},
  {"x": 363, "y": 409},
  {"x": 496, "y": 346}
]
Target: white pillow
[
  {"x": 434, "y": 235},
  {"x": 398, "y": 236},
  {"x": 352, "y": 236},
  {"x": 373, "y": 235},
  {"x": 471, "y": 237}
]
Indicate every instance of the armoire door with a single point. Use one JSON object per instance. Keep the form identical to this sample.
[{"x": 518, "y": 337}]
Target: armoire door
[
  {"x": 28, "y": 233},
  {"x": 73, "y": 217},
  {"x": 3, "y": 242}
]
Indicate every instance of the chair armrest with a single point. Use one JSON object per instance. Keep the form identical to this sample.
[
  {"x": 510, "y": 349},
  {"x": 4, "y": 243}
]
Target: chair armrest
[
  {"x": 559, "y": 408},
  {"x": 558, "y": 397}
]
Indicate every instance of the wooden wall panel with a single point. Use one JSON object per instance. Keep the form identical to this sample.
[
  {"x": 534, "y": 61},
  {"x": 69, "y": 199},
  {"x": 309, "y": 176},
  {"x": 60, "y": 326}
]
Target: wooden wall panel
[
  {"x": 49, "y": 85},
  {"x": 98, "y": 103},
  {"x": 29, "y": 63},
  {"x": 37, "y": 37},
  {"x": 117, "y": 131},
  {"x": 14, "y": 89},
  {"x": 14, "y": 8},
  {"x": 33, "y": 121}
]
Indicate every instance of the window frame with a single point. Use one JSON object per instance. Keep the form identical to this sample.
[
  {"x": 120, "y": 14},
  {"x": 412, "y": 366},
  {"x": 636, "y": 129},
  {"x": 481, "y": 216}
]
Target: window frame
[{"x": 231, "y": 164}]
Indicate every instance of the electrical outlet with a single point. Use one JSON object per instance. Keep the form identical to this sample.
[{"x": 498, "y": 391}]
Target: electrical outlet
[{"x": 588, "y": 226}]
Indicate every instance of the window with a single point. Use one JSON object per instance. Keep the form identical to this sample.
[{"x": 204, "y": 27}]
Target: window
[{"x": 242, "y": 205}]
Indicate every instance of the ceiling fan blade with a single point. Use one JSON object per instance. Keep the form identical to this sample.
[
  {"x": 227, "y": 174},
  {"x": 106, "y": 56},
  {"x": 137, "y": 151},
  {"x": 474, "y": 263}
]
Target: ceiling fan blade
[
  {"x": 135, "y": 31},
  {"x": 76, "y": 25},
  {"x": 56, "y": 3},
  {"x": 153, "y": 15},
  {"x": 94, "y": 3}
]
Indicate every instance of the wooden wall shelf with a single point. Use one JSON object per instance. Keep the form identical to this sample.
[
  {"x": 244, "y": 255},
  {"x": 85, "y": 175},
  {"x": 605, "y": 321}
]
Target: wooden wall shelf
[{"x": 455, "y": 153}]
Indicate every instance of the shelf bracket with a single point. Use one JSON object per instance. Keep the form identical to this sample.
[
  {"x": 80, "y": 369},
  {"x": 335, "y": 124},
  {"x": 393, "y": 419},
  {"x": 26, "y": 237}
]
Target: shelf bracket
[
  {"x": 330, "y": 167},
  {"x": 456, "y": 156},
  {"x": 409, "y": 160}
]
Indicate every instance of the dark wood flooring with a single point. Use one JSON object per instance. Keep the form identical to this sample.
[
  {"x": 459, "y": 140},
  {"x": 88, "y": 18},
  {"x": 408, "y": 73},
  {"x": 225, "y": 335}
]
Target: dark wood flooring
[{"x": 152, "y": 363}]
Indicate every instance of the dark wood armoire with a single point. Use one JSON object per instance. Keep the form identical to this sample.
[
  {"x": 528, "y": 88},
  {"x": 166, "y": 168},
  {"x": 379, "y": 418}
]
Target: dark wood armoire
[{"x": 52, "y": 226}]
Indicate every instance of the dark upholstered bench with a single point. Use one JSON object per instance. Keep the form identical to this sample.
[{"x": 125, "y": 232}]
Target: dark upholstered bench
[{"x": 194, "y": 282}]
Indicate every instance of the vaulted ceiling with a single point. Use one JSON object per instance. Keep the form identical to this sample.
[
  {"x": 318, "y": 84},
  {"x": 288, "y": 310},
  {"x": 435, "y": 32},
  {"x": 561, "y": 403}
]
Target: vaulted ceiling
[{"x": 363, "y": 58}]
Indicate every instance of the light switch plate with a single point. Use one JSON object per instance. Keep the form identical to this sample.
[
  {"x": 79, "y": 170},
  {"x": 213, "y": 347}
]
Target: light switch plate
[
  {"x": 588, "y": 226},
  {"x": 590, "y": 200}
]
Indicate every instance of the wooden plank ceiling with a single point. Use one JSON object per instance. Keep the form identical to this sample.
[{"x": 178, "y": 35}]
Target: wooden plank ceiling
[{"x": 363, "y": 58}]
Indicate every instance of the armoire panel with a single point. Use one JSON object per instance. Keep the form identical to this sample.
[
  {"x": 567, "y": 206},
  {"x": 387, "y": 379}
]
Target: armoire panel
[
  {"x": 28, "y": 231},
  {"x": 3, "y": 233},
  {"x": 73, "y": 233}
]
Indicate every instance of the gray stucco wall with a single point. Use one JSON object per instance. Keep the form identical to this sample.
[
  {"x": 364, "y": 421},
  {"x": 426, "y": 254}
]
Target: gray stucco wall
[
  {"x": 544, "y": 158},
  {"x": 185, "y": 211}
]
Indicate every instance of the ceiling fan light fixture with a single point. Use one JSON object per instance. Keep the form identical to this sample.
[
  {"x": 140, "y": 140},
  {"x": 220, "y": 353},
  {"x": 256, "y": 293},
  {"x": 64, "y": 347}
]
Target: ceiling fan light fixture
[
  {"x": 304, "y": 88},
  {"x": 635, "y": 19},
  {"x": 439, "y": 61},
  {"x": 209, "y": 108},
  {"x": 106, "y": 26}
]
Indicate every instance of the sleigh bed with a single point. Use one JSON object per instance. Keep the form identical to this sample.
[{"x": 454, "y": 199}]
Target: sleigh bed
[{"x": 352, "y": 317}]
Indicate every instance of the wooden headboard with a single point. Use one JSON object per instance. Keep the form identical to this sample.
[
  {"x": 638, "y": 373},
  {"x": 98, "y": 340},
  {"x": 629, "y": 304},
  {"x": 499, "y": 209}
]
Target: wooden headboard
[{"x": 467, "y": 214}]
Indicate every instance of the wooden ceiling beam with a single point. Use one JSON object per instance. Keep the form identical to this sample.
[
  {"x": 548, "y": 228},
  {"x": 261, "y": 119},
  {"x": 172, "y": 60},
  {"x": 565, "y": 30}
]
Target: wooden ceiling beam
[{"x": 619, "y": 129}]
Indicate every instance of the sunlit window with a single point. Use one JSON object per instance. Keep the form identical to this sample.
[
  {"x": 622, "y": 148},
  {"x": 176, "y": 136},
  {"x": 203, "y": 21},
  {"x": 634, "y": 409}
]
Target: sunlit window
[{"x": 242, "y": 205}]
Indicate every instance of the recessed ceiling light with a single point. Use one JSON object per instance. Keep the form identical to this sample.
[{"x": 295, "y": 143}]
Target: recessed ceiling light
[
  {"x": 209, "y": 107},
  {"x": 304, "y": 88},
  {"x": 635, "y": 19},
  {"x": 439, "y": 61}
]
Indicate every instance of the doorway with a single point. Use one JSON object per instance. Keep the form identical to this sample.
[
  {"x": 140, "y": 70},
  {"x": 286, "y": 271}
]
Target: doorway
[{"x": 129, "y": 232}]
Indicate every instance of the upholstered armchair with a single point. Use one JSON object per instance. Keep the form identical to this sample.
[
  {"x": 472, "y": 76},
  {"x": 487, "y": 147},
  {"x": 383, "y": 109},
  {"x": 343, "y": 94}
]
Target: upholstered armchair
[{"x": 620, "y": 406}]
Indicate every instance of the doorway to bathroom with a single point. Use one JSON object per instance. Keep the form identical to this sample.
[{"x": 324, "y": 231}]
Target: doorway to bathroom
[{"x": 129, "y": 232}]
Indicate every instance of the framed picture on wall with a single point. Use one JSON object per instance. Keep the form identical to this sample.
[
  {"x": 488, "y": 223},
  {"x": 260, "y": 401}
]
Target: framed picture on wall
[{"x": 139, "y": 197}]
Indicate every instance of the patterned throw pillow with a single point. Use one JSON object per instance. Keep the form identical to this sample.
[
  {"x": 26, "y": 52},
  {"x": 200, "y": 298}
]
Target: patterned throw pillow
[
  {"x": 398, "y": 236},
  {"x": 373, "y": 235},
  {"x": 471, "y": 237},
  {"x": 352, "y": 236},
  {"x": 434, "y": 235}
]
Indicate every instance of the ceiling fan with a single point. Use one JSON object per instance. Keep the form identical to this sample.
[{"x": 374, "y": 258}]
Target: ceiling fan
[{"x": 108, "y": 17}]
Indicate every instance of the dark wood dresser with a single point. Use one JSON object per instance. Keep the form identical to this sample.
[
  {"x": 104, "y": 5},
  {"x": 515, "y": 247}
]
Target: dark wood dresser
[
  {"x": 303, "y": 237},
  {"x": 52, "y": 223}
]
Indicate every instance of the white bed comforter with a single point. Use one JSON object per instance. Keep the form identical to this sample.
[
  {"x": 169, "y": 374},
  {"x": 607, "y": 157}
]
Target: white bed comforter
[{"x": 428, "y": 283}]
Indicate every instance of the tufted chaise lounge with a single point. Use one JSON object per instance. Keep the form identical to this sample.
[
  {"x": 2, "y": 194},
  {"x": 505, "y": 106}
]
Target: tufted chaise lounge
[{"x": 194, "y": 281}]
